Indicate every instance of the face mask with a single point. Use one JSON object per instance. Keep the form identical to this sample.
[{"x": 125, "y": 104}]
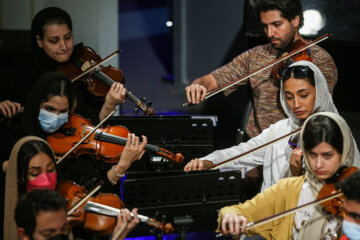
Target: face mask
[
  {"x": 351, "y": 230},
  {"x": 50, "y": 122},
  {"x": 44, "y": 180}
]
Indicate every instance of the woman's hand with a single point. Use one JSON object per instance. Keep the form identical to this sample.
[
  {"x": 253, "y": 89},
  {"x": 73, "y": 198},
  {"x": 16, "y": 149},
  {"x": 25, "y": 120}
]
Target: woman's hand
[
  {"x": 9, "y": 108},
  {"x": 296, "y": 162},
  {"x": 132, "y": 151},
  {"x": 197, "y": 164},
  {"x": 233, "y": 224},
  {"x": 124, "y": 217},
  {"x": 114, "y": 97}
]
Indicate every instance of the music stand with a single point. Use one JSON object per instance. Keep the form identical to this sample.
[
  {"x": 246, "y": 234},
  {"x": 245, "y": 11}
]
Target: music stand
[
  {"x": 190, "y": 200},
  {"x": 193, "y": 136}
]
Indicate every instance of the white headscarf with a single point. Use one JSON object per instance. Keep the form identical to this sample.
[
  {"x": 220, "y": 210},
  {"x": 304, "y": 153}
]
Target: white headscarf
[
  {"x": 314, "y": 226},
  {"x": 349, "y": 148},
  {"x": 323, "y": 101}
]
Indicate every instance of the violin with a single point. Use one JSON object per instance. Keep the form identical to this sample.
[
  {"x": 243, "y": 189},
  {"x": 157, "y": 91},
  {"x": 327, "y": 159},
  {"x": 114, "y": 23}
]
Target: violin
[
  {"x": 271, "y": 64},
  {"x": 98, "y": 224},
  {"x": 334, "y": 206},
  {"x": 97, "y": 214},
  {"x": 300, "y": 56},
  {"x": 100, "y": 79},
  {"x": 104, "y": 143}
]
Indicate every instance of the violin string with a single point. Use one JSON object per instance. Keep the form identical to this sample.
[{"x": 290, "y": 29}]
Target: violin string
[
  {"x": 96, "y": 65},
  {"x": 84, "y": 138},
  {"x": 84, "y": 199}
]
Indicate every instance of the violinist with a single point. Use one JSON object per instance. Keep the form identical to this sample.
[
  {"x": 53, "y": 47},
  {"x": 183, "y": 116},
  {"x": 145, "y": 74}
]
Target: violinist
[
  {"x": 41, "y": 214},
  {"x": 328, "y": 147},
  {"x": 351, "y": 206},
  {"x": 52, "y": 45},
  {"x": 31, "y": 166},
  {"x": 281, "y": 20},
  {"x": 49, "y": 104},
  {"x": 303, "y": 92}
]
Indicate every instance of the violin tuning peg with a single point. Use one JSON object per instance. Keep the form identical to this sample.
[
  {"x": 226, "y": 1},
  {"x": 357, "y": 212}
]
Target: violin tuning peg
[
  {"x": 149, "y": 104},
  {"x": 143, "y": 99},
  {"x": 136, "y": 110}
]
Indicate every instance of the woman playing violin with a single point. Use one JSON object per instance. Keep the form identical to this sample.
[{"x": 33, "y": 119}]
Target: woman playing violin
[
  {"x": 48, "y": 107},
  {"x": 52, "y": 45},
  {"x": 303, "y": 92},
  {"x": 328, "y": 146},
  {"x": 49, "y": 104}
]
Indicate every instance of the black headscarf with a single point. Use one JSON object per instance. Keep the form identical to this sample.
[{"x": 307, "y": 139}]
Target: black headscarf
[
  {"x": 50, "y": 15},
  {"x": 50, "y": 84}
]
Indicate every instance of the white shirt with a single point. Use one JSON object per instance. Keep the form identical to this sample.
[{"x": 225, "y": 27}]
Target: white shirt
[{"x": 273, "y": 157}]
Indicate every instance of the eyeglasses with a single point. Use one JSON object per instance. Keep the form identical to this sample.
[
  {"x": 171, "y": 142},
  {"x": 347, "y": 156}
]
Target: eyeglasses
[{"x": 300, "y": 72}]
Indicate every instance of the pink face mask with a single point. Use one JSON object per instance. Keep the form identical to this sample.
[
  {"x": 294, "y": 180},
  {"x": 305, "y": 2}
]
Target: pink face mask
[{"x": 44, "y": 180}]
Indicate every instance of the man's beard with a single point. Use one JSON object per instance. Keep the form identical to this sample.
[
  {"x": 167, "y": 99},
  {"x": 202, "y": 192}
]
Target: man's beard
[{"x": 283, "y": 45}]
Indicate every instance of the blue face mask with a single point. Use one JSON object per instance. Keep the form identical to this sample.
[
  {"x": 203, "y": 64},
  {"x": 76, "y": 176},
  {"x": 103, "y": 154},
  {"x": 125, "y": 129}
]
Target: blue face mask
[
  {"x": 351, "y": 230},
  {"x": 50, "y": 122}
]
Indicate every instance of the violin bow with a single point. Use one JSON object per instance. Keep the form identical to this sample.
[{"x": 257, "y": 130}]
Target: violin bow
[
  {"x": 96, "y": 65},
  {"x": 289, "y": 211},
  {"x": 117, "y": 234},
  {"x": 230, "y": 160},
  {"x": 226, "y": 86},
  {"x": 85, "y": 137},
  {"x": 92, "y": 192}
]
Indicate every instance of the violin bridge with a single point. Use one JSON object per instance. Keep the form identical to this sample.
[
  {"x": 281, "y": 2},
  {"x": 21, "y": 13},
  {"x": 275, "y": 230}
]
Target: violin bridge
[{"x": 85, "y": 66}]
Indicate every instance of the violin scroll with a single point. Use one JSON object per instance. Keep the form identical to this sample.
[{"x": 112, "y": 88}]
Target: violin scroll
[{"x": 176, "y": 158}]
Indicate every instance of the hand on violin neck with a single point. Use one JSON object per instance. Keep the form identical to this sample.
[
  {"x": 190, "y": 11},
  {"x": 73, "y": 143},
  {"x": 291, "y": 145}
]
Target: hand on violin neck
[
  {"x": 133, "y": 150},
  {"x": 124, "y": 217},
  {"x": 114, "y": 97},
  {"x": 198, "y": 165}
]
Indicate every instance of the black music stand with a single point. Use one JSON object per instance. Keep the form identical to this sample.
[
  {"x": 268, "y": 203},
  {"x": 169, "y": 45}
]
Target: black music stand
[
  {"x": 190, "y": 200},
  {"x": 190, "y": 135}
]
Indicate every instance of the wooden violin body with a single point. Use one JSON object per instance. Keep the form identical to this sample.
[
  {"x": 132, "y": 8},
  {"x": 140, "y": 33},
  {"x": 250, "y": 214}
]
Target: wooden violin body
[
  {"x": 75, "y": 129},
  {"x": 99, "y": 80},
  {"x": 95, "y": 223},
  {"x": 84, "y": 60},
  {"x": 106, "y": 143},
  {"x": 301, "y": 56}
]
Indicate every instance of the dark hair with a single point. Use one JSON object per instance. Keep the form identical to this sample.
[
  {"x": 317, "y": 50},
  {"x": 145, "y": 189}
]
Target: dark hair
[
  {"x": 322, "y": 129},
  {"x": 49, "y": 85},
  {"x": 50, "y": 15},
  {"x": 289, "y": 8},
  {"x": 27, "y": 151},
  {"x": 299, "y": 72},
  {"x": 34, "y": 202},
  {"x": 350, "y": 186}
]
